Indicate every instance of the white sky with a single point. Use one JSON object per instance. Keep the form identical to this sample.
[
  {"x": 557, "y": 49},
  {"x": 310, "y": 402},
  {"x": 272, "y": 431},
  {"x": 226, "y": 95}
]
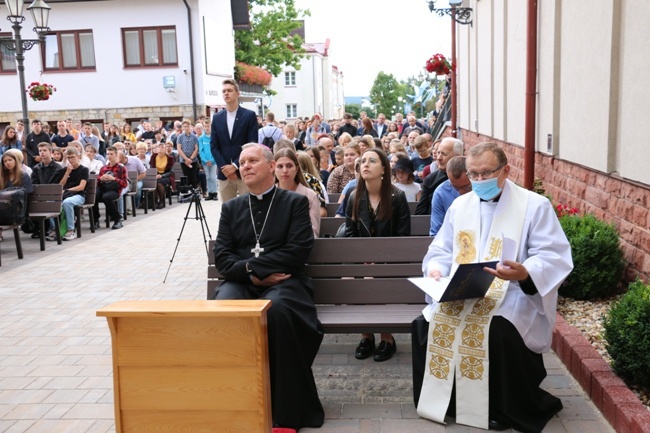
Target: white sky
[{"x": 368, "y": 36}]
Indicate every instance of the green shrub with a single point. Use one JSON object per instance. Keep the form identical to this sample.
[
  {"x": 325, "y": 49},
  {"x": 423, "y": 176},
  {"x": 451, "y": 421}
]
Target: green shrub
[
  {"x": 627, "y": 333},
  {"x": 597, "y": 257}
]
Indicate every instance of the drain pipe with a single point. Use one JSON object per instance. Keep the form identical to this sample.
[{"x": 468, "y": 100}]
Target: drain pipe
[
  {"x": 531, "y": 96},
  {"x": 192, "y": 76}
]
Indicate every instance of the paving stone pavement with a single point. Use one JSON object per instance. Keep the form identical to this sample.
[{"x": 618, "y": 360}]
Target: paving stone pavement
[{"x": 55, "y": 354}]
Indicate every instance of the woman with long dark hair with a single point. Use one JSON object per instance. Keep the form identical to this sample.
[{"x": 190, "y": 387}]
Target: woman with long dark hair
[
  {"x": 376, "y": 209},
  {"x": 10, "y": 140},
  {"x": 289, "y": 176},
  {"x": 368, "y": 128}
]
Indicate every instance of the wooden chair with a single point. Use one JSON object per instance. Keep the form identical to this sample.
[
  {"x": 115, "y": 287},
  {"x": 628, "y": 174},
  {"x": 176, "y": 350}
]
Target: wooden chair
[
  {"x": 149, "y": 187},
  {"x": 334, "y": 197},
  {"x": 90, "y": 193},
  {"x": 45, "y": 202},
  {"x": 133, "y": 190},
  {"x": 16, "y": 229}
]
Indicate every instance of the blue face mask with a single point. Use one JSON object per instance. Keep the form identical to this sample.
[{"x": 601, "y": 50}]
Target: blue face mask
[{"x": 486, "y": 189}]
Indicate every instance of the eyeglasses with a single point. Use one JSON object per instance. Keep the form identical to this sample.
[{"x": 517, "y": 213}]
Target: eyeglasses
[{"x": 486, "y": 174}]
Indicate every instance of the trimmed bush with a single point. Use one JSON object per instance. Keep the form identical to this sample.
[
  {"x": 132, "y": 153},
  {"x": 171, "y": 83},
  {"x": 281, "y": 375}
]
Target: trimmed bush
[
  {"x": 627, "y": 333},
  {"x": 597, "y": 257}
]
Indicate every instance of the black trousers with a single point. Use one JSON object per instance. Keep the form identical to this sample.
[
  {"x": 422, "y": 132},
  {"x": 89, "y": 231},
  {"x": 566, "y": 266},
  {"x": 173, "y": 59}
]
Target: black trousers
[
  {"x": 191, "y": 173},
  {"x": 515, "y": 375},
  {"x": 108, "y": 198},
  {"x": 294, "y": 338}
]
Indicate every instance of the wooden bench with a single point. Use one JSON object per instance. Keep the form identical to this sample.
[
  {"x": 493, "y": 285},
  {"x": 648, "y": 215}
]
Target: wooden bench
[
  {"x": 420, "y": 225},
  {"x": 360, "y": 283},
  {"x": 333, "y": 207},
  {"x": 45, "y": 202},
  {"x": 190, "y": 366}
]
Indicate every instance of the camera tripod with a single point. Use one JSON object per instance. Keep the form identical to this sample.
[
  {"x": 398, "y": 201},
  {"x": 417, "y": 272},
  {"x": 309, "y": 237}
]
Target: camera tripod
[{"x": 198, "y": 215}]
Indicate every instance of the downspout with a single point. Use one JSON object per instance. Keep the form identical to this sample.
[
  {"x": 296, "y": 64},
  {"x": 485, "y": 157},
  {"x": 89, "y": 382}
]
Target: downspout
[
  {"x": 531, "y": 97},
  {"x": 454, "y": 75},
  {"x": 192, "y": 76}
]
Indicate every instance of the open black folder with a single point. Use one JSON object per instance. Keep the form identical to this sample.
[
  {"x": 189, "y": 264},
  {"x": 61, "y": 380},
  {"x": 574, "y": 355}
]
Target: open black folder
[{"x": 469, "y": 281}]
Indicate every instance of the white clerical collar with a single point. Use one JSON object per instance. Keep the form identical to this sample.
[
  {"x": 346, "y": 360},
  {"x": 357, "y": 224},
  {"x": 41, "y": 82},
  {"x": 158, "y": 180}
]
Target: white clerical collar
[{"x": 261, "y": 196}]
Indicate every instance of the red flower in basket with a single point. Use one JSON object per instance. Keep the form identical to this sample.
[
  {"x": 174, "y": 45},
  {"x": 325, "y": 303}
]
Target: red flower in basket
[
  {"x": 40, "y": 92},
  {"x": 438, "y": 64}
]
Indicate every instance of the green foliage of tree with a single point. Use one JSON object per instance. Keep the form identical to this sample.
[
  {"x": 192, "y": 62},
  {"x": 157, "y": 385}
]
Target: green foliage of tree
[
  {"x": 353, "y": 109},
  {"x": 384, "y": 93},
  {"x": 269, "y": 44}
]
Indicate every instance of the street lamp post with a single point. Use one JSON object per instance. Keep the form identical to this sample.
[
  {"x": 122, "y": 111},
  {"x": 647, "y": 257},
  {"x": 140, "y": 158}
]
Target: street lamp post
[
  {"x": 460, "y": 15},
  {"x": 40, "y": 13}
]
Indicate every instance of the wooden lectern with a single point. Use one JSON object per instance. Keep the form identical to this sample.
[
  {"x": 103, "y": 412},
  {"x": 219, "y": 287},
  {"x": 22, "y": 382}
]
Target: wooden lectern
[{"x": 190, "y": 366}]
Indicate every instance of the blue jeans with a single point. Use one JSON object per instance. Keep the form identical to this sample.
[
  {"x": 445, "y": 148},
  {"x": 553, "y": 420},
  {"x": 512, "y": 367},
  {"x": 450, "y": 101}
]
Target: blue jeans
[
  {"x": 211, "y": 177},
  {"x": 68, "y": 208},
  {"x": 138, "y": 194},
  {"x": 120, "y": 202}
]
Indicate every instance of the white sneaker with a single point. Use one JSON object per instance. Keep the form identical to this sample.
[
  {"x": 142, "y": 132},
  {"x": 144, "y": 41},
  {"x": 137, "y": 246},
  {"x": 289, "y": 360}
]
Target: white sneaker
[{"x": 70, "y": 235}]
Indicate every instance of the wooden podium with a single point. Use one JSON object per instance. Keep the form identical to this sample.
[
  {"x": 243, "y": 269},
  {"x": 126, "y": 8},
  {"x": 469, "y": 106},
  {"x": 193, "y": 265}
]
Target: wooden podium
[{"x": 190, "y": 366}]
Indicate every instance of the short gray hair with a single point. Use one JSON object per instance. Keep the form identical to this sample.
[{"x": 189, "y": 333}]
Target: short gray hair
[
  {"x": 456, "y": 167},
  {"x": 458, "y": 145},
  {"x": 268, "y": 155}
]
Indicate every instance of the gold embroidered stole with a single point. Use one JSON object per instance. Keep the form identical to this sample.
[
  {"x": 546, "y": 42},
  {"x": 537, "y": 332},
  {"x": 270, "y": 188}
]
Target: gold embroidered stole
[{"x": 457, "y": 345}]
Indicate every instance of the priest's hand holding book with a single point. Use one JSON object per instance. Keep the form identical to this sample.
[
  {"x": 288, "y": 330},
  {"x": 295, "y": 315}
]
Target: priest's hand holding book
[{"x": 509, "y": 270}]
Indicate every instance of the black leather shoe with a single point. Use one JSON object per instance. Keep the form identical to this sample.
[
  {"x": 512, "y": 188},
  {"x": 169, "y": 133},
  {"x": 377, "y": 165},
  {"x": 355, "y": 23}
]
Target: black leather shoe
[
  {"x": 117, "y": 225},
  {"x": 498, "y": 425},
  {"x": 365, "y": 348},
  {"x": 97, "y": 224},
  {"x": 36, "y": 235},
  {"x": 385, "y": 351},
  {"x": 160, "y": 205}
]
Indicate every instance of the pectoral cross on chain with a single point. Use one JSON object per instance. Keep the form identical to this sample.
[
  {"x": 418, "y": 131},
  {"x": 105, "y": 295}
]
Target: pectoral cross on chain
[{"x": 257, "y": 250}]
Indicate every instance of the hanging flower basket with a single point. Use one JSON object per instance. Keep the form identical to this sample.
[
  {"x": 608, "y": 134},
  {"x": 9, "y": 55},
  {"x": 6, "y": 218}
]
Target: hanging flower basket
[
  {"x": 252, "y": 75},
  {"x": 40, "y": 91},
  {"x": 438, "y": 64}
]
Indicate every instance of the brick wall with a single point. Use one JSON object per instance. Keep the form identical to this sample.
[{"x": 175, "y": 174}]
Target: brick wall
[{"x": 622, "y": 202}]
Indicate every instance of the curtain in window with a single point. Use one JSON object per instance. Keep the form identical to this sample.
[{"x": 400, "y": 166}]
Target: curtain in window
[
  {"x": 69, "y": 51},
  {"x": 8, "y": 59},
  {"x": 169, "y": 46},
  {"x": 150, "y": 38},
  {"x": 132, "y": 47},
  {"x": 51, "y": 52},
  {"x": 87, "y": 49}
]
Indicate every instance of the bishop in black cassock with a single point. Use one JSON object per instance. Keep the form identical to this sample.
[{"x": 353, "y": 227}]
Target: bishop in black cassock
[{"x": 281, "y": 220}]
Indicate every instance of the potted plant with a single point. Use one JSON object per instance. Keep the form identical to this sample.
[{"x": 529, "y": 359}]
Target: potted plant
[
  {"x": 438, "y": 64},
  {"x": 40, "y": 91}
]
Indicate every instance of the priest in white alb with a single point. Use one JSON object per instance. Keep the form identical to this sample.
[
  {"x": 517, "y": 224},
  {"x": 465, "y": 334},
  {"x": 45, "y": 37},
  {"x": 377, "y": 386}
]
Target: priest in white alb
[{"x": 480, "y": 360}]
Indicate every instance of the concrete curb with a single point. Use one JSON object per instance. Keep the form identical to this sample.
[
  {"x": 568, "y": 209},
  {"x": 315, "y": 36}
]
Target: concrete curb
[{"x": 620, "y": 406}]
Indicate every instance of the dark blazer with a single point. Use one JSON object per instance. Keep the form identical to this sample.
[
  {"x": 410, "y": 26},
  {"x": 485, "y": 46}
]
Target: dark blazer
[
  {"x": 225, "y": 149},
  {"x": 398, "y": 225},
  {"x": 429, "y": 185},
  {"x": 383, "y": 131}
]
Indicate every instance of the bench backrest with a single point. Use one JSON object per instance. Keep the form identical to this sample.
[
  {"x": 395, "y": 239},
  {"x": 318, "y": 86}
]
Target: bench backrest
[
  {"x": 359, "y": 270},
  {"x": 419, "y": 225},
  {"x": 46, "y": 198},
  {"x": 133, "y": 181},
  {"x": 91, "y": 190},
  {"x": 333, "y": 207},
  {"x": 150, "y": 181}
]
